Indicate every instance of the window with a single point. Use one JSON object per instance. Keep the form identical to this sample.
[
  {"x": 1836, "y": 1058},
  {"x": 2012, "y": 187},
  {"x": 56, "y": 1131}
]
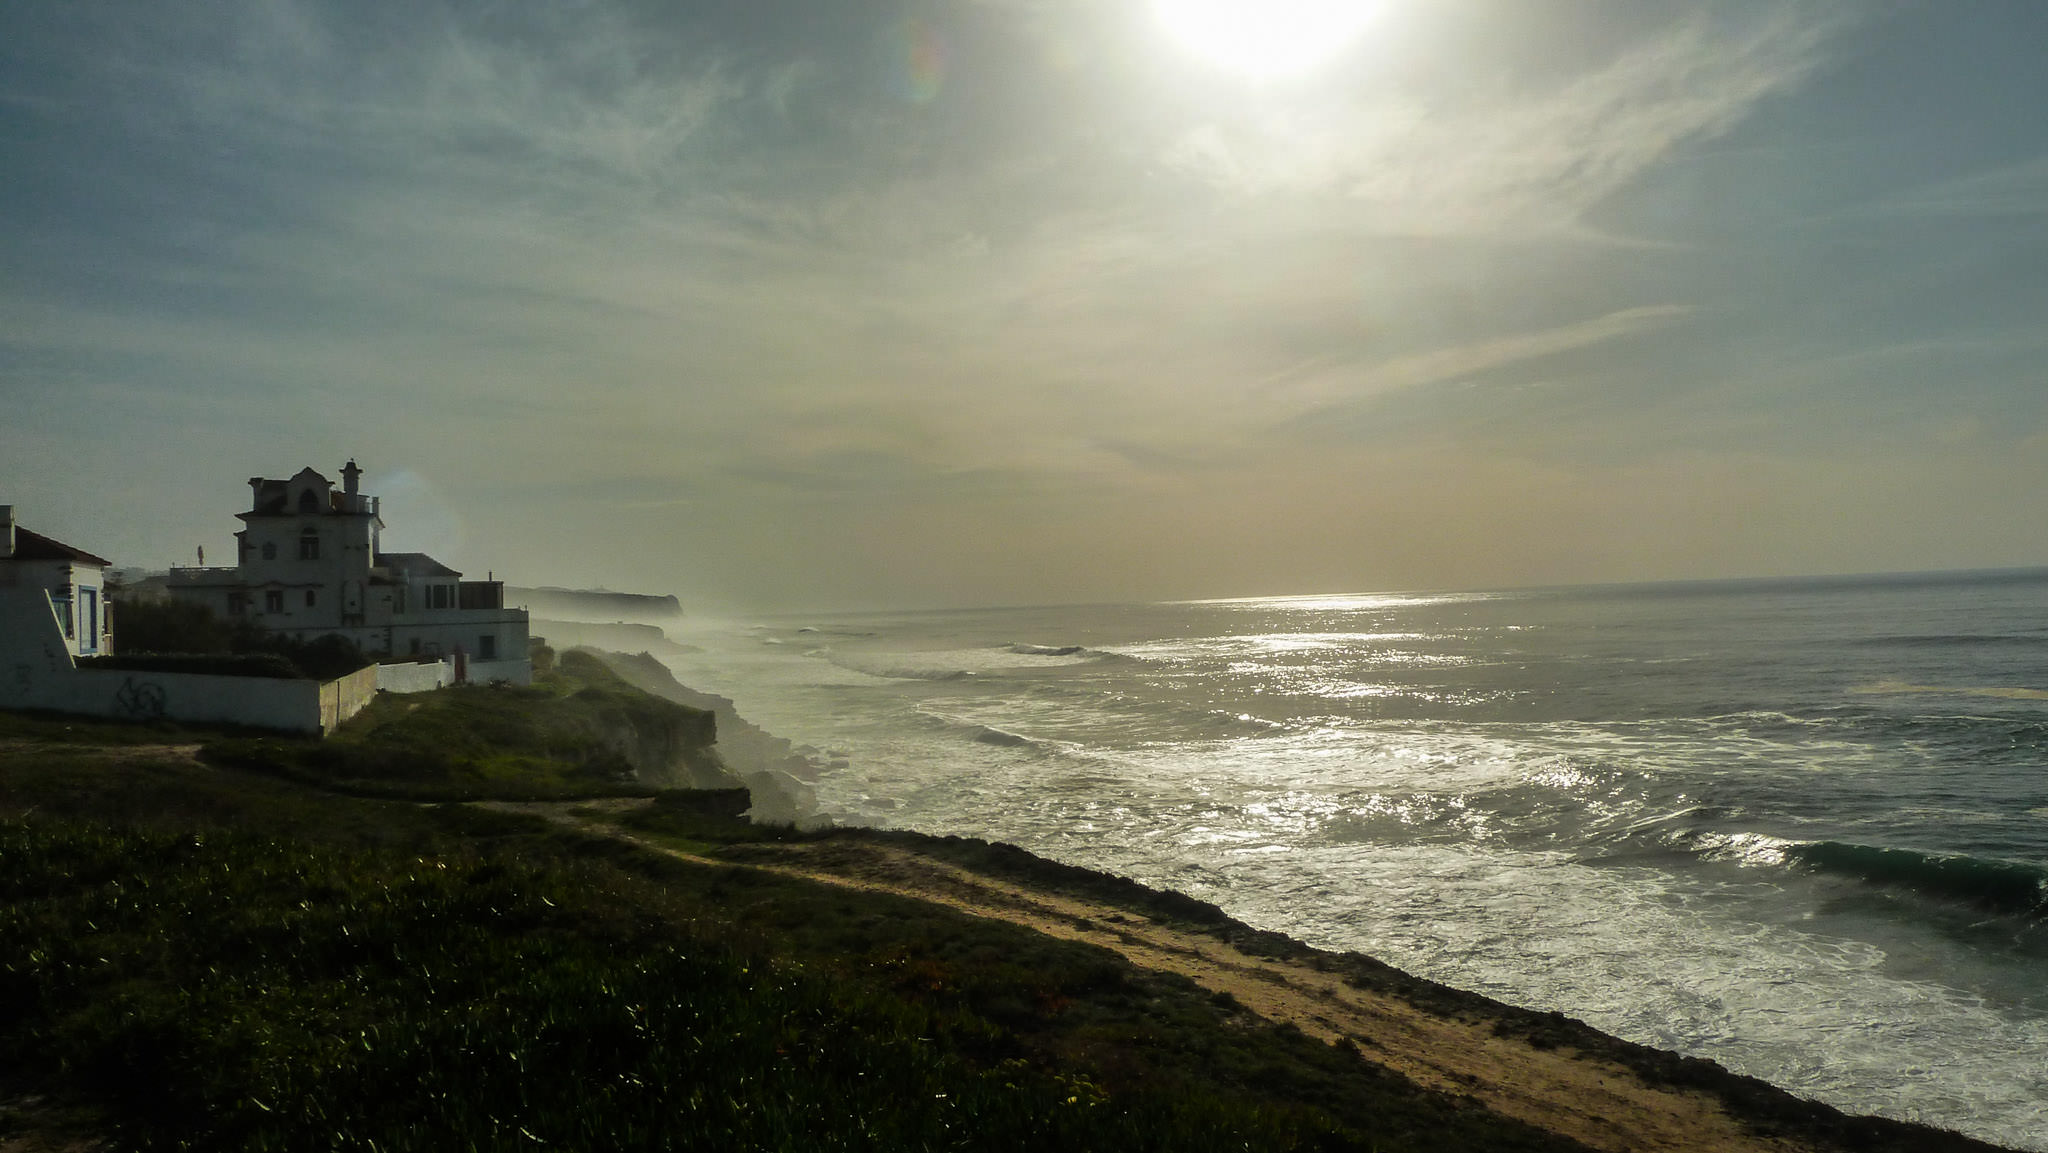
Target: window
[
  {"x": 309, "y": 598},
  {"x": 270, "y": 550},
  {"x": 487, "y": 648},
  {"x": 273, "y": 601},
  {"x": 309, "y": 546},
  {"x": 238, "y": 603},
  {"x": 440, "y": 597},
  {"x": 307, "y": 501},
  {"x": 89, "y": 620},
  {"x": 61, "y": 601}
]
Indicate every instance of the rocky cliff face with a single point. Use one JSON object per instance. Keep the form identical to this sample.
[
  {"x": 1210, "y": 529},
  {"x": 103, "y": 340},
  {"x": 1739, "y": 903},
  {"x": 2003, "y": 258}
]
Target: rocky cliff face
[
  {"x": 776, "y": 772},
  {"x": 593, "y": 604},
  {"x": 668, "y": 750},
  {"x": 616, "y": 636},
  {"x": 668, "y": 744}
]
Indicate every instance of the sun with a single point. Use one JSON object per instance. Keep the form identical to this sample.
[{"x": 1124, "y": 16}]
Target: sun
[{"x": 1265, "y": 39}]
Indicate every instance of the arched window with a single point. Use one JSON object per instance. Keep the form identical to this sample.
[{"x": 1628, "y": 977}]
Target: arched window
[{"x": 307, "y": 501}]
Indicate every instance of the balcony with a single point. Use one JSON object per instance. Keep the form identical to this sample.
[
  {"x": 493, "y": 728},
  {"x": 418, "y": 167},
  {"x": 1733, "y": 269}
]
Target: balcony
[{"x": 471, "y": 595}]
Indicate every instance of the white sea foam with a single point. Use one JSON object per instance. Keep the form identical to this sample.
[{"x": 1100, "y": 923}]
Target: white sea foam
[
  {"x": 1535, "y": 808},
  {"x": 1324, "y": 604},
  {"x": 944, "y": 663}
]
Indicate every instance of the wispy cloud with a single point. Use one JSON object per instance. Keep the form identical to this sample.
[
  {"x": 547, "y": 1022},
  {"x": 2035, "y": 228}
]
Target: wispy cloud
[
  {"x": 693, "y": 261},
  {"x": 2013, "y": 190},
  {"x": 1333, "y": 380},
  {"x": 1514, "y": 159},
  {"x": 570, "y": 97}
]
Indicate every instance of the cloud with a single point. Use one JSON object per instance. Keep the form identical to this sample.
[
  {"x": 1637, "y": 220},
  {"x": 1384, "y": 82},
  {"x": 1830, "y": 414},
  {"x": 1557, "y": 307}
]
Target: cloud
[
  {"x": 1334, "y": 380},
  {"x": 681, "y": 278},
  {"x": 568, "y": 98},
  {"x": 2013, "y": 190},
  {"x": 1502, "y": 158}
]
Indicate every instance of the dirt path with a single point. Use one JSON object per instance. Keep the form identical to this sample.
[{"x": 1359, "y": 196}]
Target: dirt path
[
  {"x": 102, "y": 754},
  {"x": 1597, "y": 1102}
]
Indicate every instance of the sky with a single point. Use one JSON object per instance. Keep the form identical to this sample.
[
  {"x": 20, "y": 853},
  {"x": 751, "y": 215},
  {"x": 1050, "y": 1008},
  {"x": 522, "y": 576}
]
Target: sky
[{"x": 813, "y": 304}]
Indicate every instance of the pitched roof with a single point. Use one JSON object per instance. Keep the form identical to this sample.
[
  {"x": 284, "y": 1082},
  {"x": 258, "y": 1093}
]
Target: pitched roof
[
  {"x": 35, "y": 546},
  {"x": 416, "y": 563}
]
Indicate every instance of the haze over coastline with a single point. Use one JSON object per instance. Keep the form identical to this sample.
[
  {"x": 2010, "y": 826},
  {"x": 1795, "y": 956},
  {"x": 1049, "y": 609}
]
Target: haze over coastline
[{"x": 809, "y": 304}]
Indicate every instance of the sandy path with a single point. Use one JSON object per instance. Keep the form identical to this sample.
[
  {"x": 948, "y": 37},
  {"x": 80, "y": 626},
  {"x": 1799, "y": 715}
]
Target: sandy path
[
  {"x": 1602, "y": 1104},
  {"x": 184, "y": 753}
]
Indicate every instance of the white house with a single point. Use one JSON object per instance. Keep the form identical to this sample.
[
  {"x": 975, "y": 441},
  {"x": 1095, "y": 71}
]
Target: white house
[
  {"x": 72, "y": 581},
  {"x": 308, "y": 565}
]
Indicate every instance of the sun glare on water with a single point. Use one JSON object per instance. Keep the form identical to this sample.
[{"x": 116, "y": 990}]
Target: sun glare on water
[{"x": 1265, "y": 39}]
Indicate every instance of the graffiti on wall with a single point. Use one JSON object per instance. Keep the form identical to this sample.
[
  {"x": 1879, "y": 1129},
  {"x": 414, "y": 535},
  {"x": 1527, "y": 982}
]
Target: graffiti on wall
[{"x": 139, "y": 702}]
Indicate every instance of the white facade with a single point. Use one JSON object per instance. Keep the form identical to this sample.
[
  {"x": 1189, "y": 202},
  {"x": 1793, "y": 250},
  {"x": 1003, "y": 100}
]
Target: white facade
[
  {"x": 38, "y": 670},
  {"x": 72, "y": 584},
  {"x": 308, "y": 565}
]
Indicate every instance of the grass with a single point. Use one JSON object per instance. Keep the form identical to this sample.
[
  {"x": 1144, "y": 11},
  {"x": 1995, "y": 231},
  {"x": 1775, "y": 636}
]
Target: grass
[
  {"x": 236, "y": 991},
  {"x": 200, "y": 956},
  {"x": 208, "y": 958},
  {"x": 578, "y": 731}
]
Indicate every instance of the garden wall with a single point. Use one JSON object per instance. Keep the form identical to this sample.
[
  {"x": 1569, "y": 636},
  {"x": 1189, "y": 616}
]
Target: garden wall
[{"x": 37, "y": 672}]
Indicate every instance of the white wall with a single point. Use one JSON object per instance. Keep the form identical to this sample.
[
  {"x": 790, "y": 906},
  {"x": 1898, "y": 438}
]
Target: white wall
[
  {"x": 426, "y": 676},
  {"x": 344, "y": 697},
  {"x": 83, "y": 586},
  {"x": 519, "y": 672},
  {"x": 37, "y": 672},
  {"x": 415, "y": 677},
  {"x": 32, "y": 648}
]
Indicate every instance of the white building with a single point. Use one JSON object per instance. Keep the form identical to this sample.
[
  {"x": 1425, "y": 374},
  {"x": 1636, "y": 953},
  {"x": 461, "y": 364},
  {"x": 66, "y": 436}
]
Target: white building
[
  {"x": 308, "y": 565},
  {"x": 71, "y": 580}
]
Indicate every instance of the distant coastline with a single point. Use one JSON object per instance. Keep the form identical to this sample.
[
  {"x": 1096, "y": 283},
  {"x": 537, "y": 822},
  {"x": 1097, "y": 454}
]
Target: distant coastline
[{"x": 594, "y": 604}]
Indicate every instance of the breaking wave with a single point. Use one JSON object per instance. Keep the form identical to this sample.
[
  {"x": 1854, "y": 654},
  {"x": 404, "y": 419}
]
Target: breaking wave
[{"x": 1997, "y": 886}]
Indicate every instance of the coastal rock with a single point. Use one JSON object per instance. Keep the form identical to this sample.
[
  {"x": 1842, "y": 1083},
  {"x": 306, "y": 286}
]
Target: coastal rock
[{"x": 779, "y": 775}]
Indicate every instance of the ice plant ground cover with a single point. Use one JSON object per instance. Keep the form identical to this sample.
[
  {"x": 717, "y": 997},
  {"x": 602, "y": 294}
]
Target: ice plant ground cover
[{"x": 215, "y": 958}]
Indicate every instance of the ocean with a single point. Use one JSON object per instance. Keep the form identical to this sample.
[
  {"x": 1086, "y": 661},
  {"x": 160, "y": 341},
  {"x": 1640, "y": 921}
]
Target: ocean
[{"x": 1798, "y": 827}]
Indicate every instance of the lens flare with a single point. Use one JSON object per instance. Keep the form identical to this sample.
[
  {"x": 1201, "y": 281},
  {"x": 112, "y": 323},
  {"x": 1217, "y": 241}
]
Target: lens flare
[
  {"x": 1265, "y": 39},
  {"x": 917, "y": 60}
]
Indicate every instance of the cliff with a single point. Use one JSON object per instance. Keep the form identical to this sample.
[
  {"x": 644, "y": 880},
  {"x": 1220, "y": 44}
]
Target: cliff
[
  {"x": 593, "y": 604},
  {"x": 777, "y": 773},
  {"x": 578, "y": 728},
  {"x": 622, "y": 636}
]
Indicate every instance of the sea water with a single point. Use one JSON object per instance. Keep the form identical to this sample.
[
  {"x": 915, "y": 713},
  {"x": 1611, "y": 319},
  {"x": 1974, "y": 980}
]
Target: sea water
[{"x": 1797, "y": 827}]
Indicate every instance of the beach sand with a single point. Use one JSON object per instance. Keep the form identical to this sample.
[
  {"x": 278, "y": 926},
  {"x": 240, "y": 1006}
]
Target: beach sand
[{"x": 1556, "y": 1074}]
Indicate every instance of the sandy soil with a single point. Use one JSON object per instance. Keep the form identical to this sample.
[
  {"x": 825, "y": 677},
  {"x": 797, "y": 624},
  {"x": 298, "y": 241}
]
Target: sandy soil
[
  {"x": 182, "y": 754},
  {"x": 1597, "y": 1102}
]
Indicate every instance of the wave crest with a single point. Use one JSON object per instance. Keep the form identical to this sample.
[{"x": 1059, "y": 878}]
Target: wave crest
[{"x": 1999, "y": 886}]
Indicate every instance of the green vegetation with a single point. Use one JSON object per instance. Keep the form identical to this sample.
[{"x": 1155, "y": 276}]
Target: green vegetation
[
  {"x": 195, "y": 955},
  {"x": 202, "y": 957},
  {"x": 237, "y": 991},
  {"x": 180, "y": 636},
  {"x": 578, "y": 731}
]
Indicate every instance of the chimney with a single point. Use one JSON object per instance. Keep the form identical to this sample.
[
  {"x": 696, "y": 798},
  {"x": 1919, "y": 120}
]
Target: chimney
[
  {"x": 349, "y": 473},
  {"x": 6, "y": 531}
]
